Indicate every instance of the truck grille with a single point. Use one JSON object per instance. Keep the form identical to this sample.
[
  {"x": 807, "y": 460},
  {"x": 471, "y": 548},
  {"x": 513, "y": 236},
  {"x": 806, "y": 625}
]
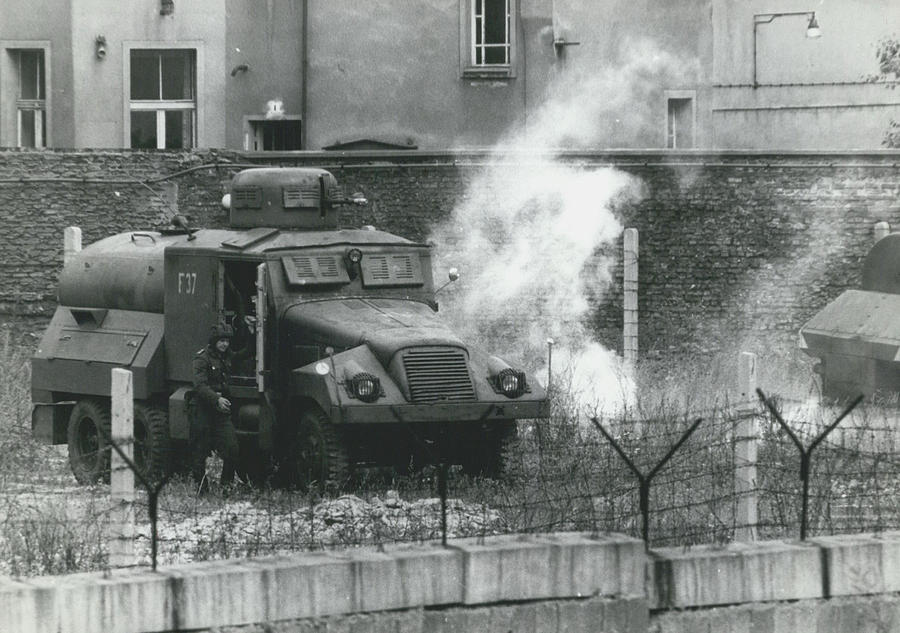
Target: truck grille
[{"x": 437, "y": 374}]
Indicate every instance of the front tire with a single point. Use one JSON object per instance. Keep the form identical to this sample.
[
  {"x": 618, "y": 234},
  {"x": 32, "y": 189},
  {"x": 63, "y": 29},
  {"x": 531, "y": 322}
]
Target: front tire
[
  {"x": 320, "y": 453},
  {"x": 89, "y": 426},
  {"x": 487, "y": 449}
]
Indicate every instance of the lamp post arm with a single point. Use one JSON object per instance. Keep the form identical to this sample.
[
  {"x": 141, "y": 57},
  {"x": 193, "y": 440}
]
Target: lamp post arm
[{"x": 767, "y": 18}]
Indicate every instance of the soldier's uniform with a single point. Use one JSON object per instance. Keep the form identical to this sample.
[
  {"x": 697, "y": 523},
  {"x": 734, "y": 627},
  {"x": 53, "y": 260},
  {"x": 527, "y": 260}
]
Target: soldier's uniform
[{"x": 210, "y": 427}]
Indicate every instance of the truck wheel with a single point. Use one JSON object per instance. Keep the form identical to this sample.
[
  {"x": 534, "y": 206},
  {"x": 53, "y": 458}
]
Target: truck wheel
[
  {"x": 151, "y": 441},
  {"x": 488, "y": 448},
  {"x": 88, "y": 448},
  {"x": 504, "y": 437},
  {"x": 253, "y": 466},
  {"x": 322, "y": 460}
]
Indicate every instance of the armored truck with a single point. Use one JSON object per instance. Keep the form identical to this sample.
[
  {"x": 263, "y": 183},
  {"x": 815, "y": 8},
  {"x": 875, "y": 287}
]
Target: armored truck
[
  {"x": 350, "y": 364},
  {"x": 856, "y": 337}
]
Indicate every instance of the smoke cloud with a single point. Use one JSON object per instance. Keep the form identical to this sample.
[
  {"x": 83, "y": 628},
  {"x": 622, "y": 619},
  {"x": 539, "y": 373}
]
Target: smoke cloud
[{"x": 535, "y": 237}]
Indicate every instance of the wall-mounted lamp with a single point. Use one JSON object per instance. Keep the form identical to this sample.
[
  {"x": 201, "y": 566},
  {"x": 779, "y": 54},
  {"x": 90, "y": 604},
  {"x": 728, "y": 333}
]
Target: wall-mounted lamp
[
  {"x": 167, "y": 7},
  {"x": 560, "y": 43},
  {"x": 275, "y": 109},
  {"x": 812, "y": 29},
  {"x": 563, "y": 36},
  {"x": 100, "y": 47}
]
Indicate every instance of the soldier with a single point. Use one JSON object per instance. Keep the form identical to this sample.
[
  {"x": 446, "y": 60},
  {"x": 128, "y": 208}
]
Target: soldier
[{"x": 210, "y": 408}]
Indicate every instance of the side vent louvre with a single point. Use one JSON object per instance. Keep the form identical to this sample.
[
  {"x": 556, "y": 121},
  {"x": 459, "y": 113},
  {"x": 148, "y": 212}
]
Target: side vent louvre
[
  {"x": 300, "y": 197},
  {"x": 246, "y": 197}
]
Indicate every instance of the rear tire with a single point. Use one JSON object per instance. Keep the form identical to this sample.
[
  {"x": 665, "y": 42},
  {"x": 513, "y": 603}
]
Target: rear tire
[{"x": 89, "y": 426}]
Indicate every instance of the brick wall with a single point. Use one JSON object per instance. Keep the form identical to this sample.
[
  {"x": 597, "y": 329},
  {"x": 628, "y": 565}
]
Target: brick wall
[{"x": 736, "y": 248}]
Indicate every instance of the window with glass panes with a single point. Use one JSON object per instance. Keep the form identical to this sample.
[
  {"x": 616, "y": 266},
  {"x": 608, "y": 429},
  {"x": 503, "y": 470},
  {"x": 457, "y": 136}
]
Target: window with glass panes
[
  {"x": 162, "y": 101},
  {"x": 31, "y": 104},
  {"x": 490, "y": 32}
]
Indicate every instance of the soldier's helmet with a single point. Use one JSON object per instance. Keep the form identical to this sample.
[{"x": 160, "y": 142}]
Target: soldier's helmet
[{"x": 220, "y": 331}]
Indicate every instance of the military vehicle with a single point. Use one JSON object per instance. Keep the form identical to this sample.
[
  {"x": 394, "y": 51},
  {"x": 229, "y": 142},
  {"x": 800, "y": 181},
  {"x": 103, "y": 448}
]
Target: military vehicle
[
  {"x": 857, "y": 336},
  {"x": 352, "y": 363}
]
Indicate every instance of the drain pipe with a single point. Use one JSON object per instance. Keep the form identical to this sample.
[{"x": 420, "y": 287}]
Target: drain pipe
[{"x": 304, "y": 73}]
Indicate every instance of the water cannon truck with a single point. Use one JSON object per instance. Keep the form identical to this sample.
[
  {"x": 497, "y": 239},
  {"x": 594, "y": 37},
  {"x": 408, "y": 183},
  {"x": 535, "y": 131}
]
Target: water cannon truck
[{"x": 350, "y": 362}]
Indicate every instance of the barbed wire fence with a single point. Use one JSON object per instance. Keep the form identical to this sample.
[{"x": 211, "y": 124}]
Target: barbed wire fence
[{"x": 762, "y": 468}]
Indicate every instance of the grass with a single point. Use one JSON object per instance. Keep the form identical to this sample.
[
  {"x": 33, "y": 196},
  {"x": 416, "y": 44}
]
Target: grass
[
  {"x": 563, "y": 475},
  {"x": 44, "y": 529}
]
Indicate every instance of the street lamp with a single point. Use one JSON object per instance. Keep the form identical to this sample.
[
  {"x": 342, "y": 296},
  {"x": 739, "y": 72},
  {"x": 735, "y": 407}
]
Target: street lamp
[{"x": 812, "y": 29}]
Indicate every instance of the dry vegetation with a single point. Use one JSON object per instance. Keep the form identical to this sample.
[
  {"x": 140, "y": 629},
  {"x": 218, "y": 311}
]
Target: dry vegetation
[{"x": 562, "y": 476}]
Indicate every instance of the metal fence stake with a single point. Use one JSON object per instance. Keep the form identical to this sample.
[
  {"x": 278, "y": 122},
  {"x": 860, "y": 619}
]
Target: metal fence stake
[
  {"x": 806, "y": 453},
  {"x": 745, "y": 452},
  {"x": 645, "y": 480}
]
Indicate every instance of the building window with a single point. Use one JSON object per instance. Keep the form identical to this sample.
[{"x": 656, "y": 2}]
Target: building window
[
  {"x": 488, "y": 32},
  {"x": 162, "y": 103},
  {"x": 264, "y": 135},
  {"x": 31, "y": 98},
  {"x": 490, "y": 29},
  {"x": 680, "y": 122}
]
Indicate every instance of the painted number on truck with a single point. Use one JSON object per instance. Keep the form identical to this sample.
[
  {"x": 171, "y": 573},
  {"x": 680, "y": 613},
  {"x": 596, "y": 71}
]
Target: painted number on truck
[{"x": 187, "y": 283}]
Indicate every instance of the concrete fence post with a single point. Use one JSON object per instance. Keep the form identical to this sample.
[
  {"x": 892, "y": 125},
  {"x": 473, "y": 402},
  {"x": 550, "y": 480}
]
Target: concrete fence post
[
  {"x": 71, "y": 242},
  {"x": 630, "y": 299},
  {"x": 745, "y": 450},
  {"x": 881, "y": 229},
  {"x": 121, "y": 478}
]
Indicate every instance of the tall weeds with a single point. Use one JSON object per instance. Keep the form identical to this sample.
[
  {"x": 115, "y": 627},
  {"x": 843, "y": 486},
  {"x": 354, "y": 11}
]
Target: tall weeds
[{"x": 43, "y": 529}]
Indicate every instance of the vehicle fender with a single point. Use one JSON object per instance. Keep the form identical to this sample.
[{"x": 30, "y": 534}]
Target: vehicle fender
[
  {"x": 179, "y": 422},
  {"x": 50, "y": 421},
  {"x": 307, "y": 384},
  {"x": 328, "y": 389}
]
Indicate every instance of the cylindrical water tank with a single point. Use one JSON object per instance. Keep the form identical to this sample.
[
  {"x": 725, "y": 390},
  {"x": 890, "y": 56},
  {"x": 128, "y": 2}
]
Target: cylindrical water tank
[{"x": 123, "y": 272}]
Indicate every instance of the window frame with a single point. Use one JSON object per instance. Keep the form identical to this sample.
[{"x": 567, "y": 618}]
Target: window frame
[
  {"x": 680, "y": 95},
  {"x": 12, "y": 105},
  {"x": 468, "y": 43},
  {"x": 161, "y": 106},
  {"x": 250, "y": 131}
]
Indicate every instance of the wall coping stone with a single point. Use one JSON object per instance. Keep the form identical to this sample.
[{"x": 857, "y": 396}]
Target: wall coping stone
[
  {"x": 861, "y": 564},
  {"x": 470, "y": 572},
  {"x": 287, "y": 587}
]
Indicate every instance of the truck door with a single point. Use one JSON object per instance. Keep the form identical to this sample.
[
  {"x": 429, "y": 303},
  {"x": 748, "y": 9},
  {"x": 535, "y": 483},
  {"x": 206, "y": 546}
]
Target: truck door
[{"x": 191, "y": 305}]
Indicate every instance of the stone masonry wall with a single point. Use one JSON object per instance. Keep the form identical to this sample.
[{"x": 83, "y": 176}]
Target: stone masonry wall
[{"x": 735, "y": 248}]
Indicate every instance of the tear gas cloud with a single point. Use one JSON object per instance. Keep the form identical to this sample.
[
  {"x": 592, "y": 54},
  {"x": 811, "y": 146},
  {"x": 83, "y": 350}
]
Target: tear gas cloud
[{"x": 535, "y": 238}]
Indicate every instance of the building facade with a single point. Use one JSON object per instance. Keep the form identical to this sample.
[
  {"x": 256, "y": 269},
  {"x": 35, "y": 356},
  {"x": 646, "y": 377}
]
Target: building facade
[{"x": 283, "y": 75}]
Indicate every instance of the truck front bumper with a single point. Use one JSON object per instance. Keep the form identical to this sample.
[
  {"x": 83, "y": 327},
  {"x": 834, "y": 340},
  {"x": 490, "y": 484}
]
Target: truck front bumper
[{"x": 439, "y": 412}]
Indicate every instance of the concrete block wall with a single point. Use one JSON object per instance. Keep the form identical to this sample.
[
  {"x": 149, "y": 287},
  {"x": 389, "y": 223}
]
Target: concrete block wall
[
  {"x": 568, "y": 582},
  {"x": 737, "y": 249}
]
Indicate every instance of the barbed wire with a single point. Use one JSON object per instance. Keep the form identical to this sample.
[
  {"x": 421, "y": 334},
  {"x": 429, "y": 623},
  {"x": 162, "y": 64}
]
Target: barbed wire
[{"x": 559, "y": 477}]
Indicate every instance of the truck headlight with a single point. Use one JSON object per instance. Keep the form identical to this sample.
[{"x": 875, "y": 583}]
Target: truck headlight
[
  {"x": 365, "y": 386},
  {"x": 511, "y": 382},
  {"x": 506, "y": 380}
]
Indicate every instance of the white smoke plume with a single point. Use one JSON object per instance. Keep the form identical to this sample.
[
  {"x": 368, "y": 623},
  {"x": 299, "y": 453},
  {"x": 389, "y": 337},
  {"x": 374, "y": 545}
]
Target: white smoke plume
[{"x": 534, "y": 237}]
